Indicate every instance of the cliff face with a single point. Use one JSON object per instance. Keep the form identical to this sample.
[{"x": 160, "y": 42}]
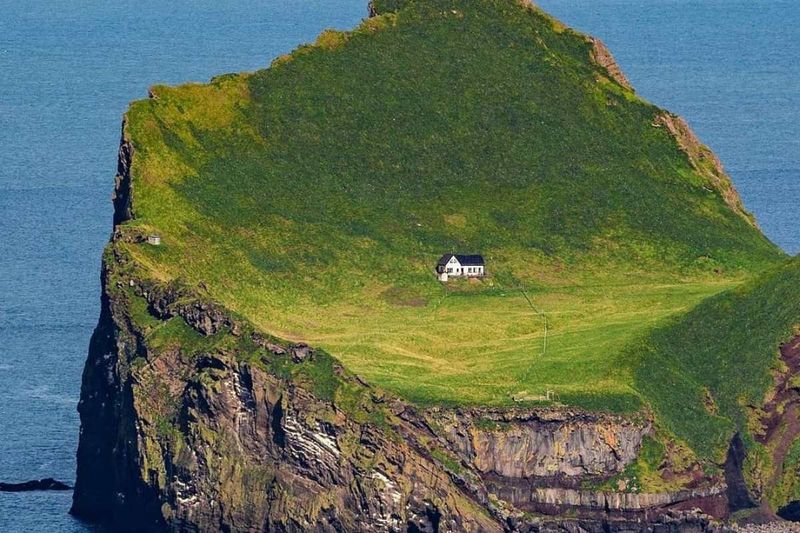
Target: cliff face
[
  {"x": 108, "y": 451},
  {"x": 215, "y": 427},
  {"x": 544, "y": 444}
]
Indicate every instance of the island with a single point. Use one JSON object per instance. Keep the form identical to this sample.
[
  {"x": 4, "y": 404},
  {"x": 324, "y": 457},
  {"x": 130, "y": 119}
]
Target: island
[{"x": 276, "y": 351}]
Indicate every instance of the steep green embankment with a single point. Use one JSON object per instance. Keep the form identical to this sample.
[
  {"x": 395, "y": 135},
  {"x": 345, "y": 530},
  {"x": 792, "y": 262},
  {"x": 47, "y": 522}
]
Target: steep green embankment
[
  {"x": 706, "y": 372},
  {"x": 314, "y": 197}
]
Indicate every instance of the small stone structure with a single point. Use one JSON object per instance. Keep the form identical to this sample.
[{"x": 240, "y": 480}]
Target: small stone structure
[{"x": 155, "y": 240}]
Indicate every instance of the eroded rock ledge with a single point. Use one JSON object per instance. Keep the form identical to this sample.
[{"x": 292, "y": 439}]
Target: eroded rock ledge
[{"x": 545, "y": 443}]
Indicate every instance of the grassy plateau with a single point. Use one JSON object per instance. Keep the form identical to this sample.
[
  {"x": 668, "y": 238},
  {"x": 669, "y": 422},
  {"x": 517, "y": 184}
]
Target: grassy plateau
[{"x": 314, "y": 197}]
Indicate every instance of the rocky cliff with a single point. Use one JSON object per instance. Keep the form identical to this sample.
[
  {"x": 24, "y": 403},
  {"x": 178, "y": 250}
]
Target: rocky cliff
[{"x": 545, "y": 443}]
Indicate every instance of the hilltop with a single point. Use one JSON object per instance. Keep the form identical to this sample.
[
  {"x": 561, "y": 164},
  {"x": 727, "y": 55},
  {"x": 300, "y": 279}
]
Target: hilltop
[{"x": 315, "y": 197}]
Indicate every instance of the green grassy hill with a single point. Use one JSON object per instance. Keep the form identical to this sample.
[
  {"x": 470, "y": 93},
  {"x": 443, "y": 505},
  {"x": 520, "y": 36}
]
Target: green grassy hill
[{"x": 314, "y": 198}]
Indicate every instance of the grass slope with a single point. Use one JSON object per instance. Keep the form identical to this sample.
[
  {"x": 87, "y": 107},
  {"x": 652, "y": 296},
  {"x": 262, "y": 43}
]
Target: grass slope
[
  {"x": 702, "y": 372},
  {"x": 314, "y": 197}
]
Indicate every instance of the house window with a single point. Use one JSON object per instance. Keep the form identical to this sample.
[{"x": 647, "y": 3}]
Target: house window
[{"x": 449, "y": 270}]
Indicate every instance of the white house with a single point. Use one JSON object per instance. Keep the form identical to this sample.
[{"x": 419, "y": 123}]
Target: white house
[{"x": 470, "y": 266}]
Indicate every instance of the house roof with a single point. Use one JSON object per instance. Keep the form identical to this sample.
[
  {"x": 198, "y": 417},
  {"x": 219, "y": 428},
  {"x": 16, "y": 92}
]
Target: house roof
[
  {"x": 470, "y": 260},
  {"x": 465, "y": 260},
  {"x": 444, "y": 259}
]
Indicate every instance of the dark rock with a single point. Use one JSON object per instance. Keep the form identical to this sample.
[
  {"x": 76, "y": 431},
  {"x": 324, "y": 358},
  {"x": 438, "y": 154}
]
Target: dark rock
[
  {"x": 738, "y": 494},
  {"x": 40, "y": 484},
  {"x": 122, "y": 181},
  {"x": 276, "y": 349},
  {"x": 791, "y": 511},
  {"x": 300, "y": 352}
]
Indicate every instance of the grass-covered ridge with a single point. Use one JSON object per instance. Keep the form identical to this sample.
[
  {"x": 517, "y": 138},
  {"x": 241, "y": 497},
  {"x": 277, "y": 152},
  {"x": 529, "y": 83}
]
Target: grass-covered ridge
[{"x": 314, "y": 197}]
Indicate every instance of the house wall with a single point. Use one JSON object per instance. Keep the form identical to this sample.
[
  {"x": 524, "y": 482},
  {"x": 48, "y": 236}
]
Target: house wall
[
  {"x": 476, "y": 271},
  {"x": 459, "y": 270},
  {"x": 454, "y": 265}
]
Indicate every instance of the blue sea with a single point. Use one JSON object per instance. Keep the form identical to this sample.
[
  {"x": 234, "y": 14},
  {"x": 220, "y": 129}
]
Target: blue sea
[{"x": 68, "y": 69}]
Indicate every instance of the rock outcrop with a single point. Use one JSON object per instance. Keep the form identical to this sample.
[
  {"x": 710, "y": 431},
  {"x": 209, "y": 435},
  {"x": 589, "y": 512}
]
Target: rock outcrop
[
  {"x": 34, "y": 485},
  {"x": 544, "y": 443},
  {"x": 603, "y": 57},
  {"x": 701, "y": 157},
  {"x": 704, "y": 161}
]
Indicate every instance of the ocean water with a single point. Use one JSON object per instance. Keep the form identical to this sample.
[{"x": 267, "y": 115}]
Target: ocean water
[{"x": 68, "y": 70}]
